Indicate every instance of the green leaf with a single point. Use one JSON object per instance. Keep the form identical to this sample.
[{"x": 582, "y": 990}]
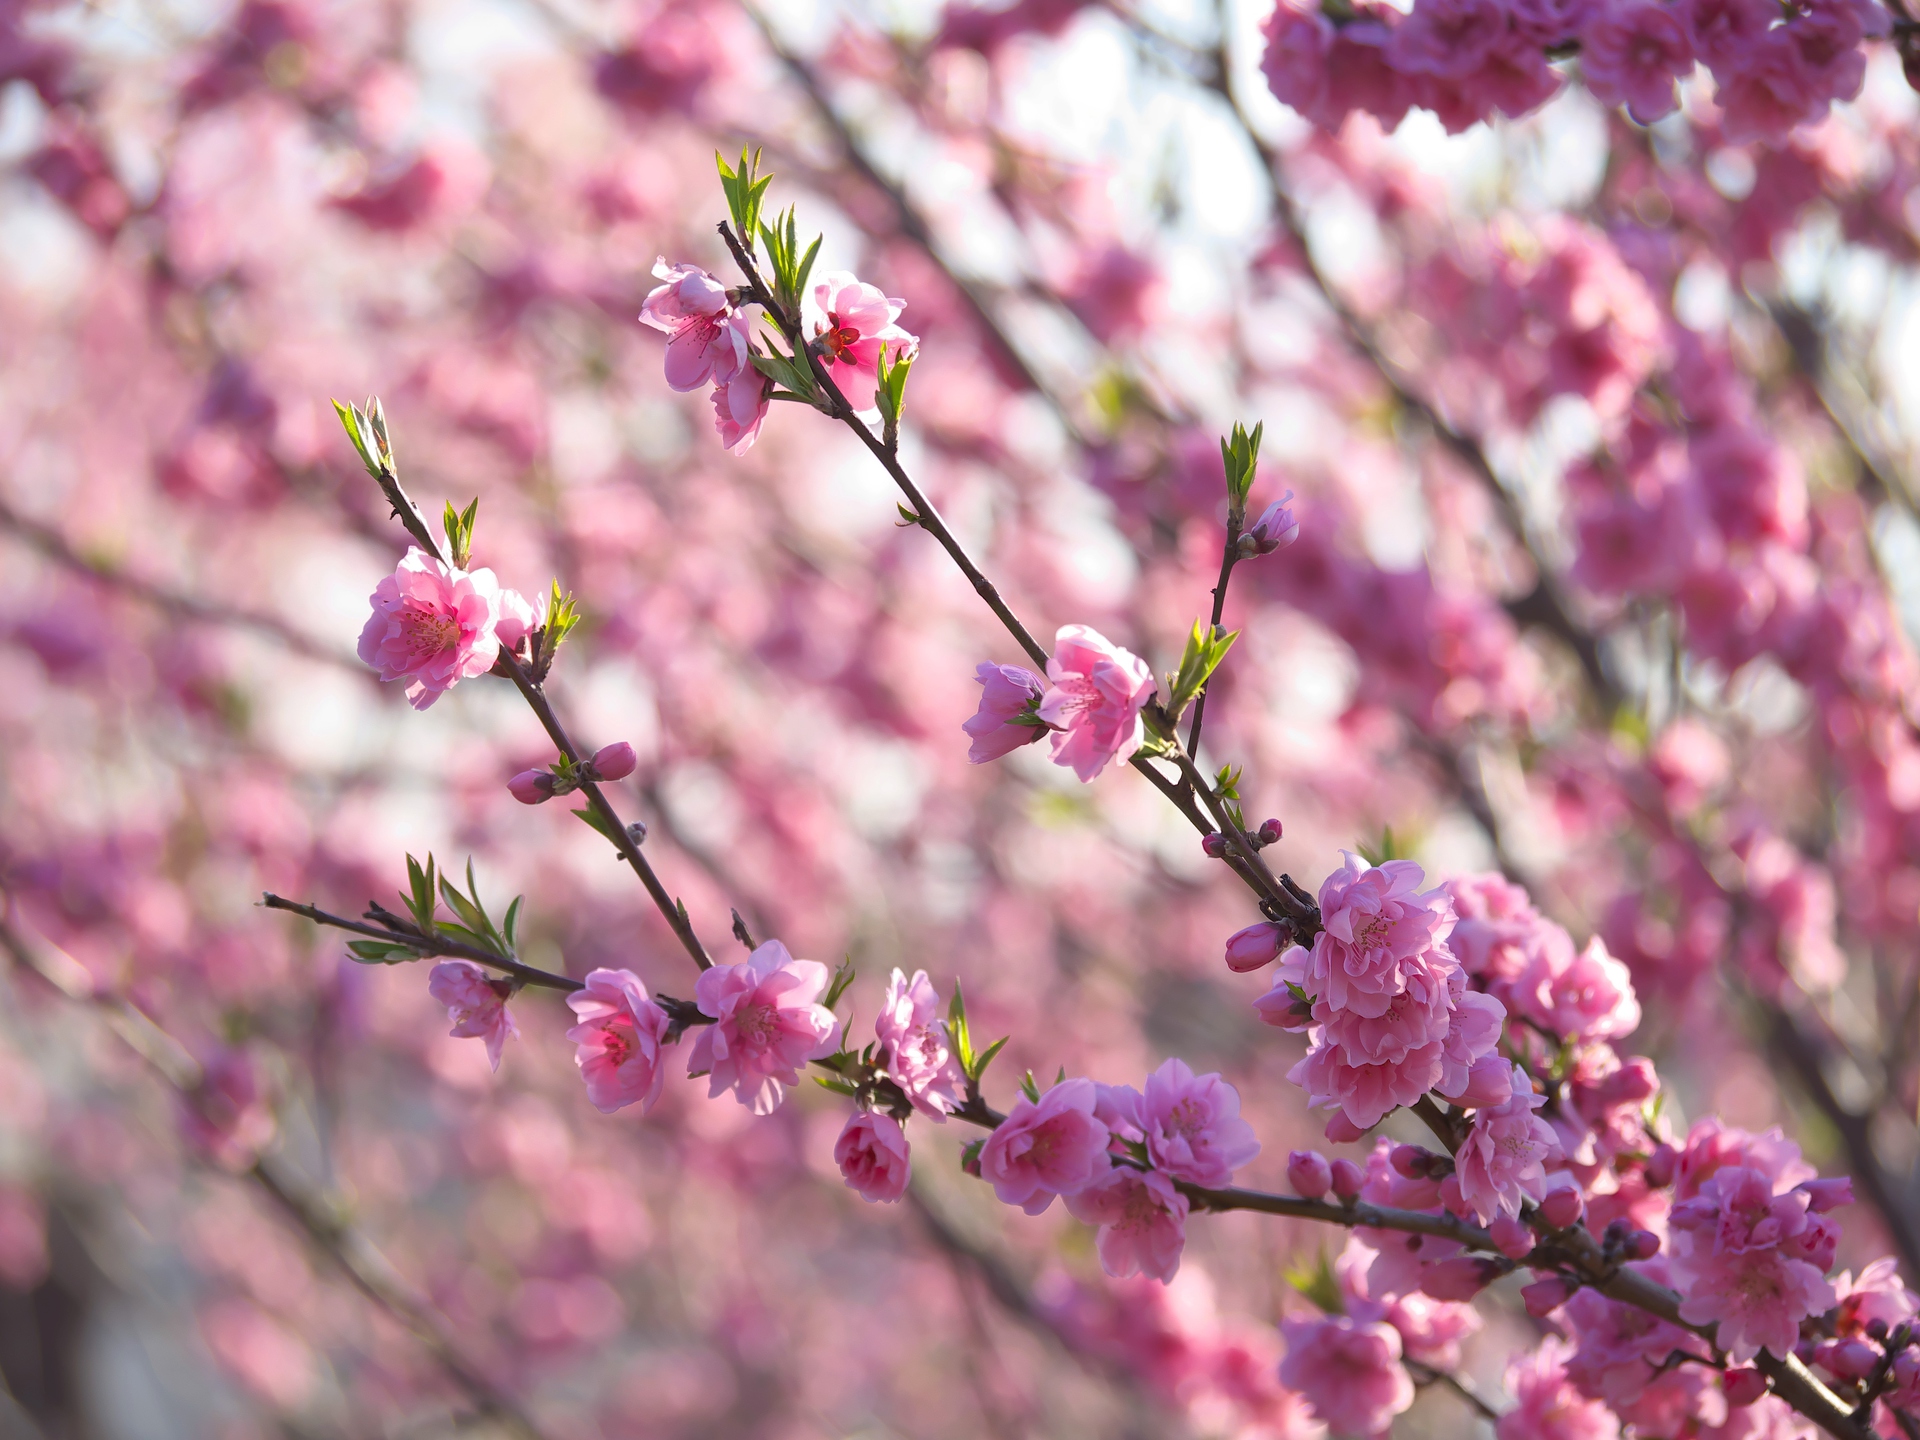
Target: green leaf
[
  {"x": 890, "y": 393},
  {"x": 839, "y": 1087},
  {"x": 1318, "y": 1284},
  {"x": 984, "y": 1059},
  {"x": 379, "y": 952},
  {"x": 1239, "y": 456},
  {"x": 957, "y": 1033},
  {"x": 805, "y": 269},
  {"x": 593, "y": 818},
  {"x": 423, "y": 882},
  {"x": 744, "y": 188},
  {"x": 842, "y": 978},
  {"x": 1206, "y": 648},
  {"x": 1385, "y": 850},
  {"x": 1029, "y": 1088},
  {"x": 513, "y": 913},
  {"x": 459, "y": 528}
]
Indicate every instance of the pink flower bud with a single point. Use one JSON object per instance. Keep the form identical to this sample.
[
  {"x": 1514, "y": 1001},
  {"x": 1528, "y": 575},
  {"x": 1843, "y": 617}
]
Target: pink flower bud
[
  {"x": 1743, "y": 1386},
  {"x": 1453, "y": 1199},
  {"x": 1642, "y": 1245},
  {"x": 1825, "y": 1195},
  {"x": 1346, "y": 1178},
  {"x": 1274, "y": 530},
  {"x": 1342, "y": 1131},
  {"x": 1661, "y": 1165},
  {"x": 1410, "y": 1161},
  {"x": 1562, "y": 1207},
  {"x": 1461, "y": 1278},
  {"x": 1253, "y": 947},
  {"x": 1309, "y": 1174},
  {"x": 1848, "y": 1359},
  {"x": 1543, "y": 1297},
  {"x": 1214, "y": 844},
  {"x": 1269, "y": 832},
  {"x": 1511, "y": 1236},
  {"x": 613, "y": 762},
  {"x": 530, "y": 787}
]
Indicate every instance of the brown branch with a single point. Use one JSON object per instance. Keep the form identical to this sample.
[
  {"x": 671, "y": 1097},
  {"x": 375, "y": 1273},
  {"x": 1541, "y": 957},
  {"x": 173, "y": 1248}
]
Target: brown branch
[{"x": 425, "y": 944}]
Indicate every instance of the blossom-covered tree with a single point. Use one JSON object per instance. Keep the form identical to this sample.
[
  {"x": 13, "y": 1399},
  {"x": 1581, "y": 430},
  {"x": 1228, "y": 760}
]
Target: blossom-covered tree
[{"x": 1561, "y": 586}]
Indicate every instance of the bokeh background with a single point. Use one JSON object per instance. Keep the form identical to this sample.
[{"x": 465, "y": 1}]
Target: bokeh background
[{"x": 1114, "y": 243}]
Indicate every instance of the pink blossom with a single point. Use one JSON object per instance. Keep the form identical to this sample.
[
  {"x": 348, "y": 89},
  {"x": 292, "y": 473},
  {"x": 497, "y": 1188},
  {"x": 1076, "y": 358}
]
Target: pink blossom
[
  {"x": 1878, "y": 1294},
  {"x": 432, "y": 626},
  {"x": 1723, "y": 31},
  {"x": 1757, "y": 1298},
  {"x": 476, "y": 1003},
  {"x": 1590, "y": 998},
  {"x": 519, "y": 618},
  {"x": 859, "y": 322},
  {"x": 872, "y": 1155},
  {"x": 1008, "y": 691},
  {"x": 1504, "y": 1157},
  {"x": 1546, "y": 1404},
  {"x": 1142, "y": 1220},
  {"x": 1193, "y": 1127},
  {"x": 740, "y": 405},
  {"x": 1769, "y": 93},
  {"x": 1365, "y": 1094},
  {"x": 1378, "y": 931},
  {"x": 1448, "y": 38},
  {"x": 1349, "y": 1372},
  {"x": 1631, "y": 53},
  {"x": 766, "y": 1025},
  {"x": 1094, "y": 700},
  {"x": 914, "y": 1048},
  {"x": 1053, "y": 1146},
  {"x": 693, "y": 309},
  {"x": 619, "y": 1040}
]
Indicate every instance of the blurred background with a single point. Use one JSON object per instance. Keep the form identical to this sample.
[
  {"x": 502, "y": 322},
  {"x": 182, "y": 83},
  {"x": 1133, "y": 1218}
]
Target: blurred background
[{"x": 1114, "y": 243}]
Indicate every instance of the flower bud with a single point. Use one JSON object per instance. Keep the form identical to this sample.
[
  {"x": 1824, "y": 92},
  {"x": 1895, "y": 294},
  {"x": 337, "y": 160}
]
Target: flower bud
[
  {"x": 1409, "y": 1160},
  {"x": 1214, "y": 844},
  {"x": 1642, "y": 1245},
  {"x": 1253, "y": 947},
  {"x": 1342, "y": 1131},
  {"x": 1268, "y": 832},
  {"x": 1309, "y": 1174},
  {"x": 1543, "y": 1297},
  {"x": 1848, "y": 1359},
  {"x": 1461, "y": 1278},
  {"x": 1274, "y": 530},
  {"x": 1661, "y": 1165},
  {"x": 1450, "y": 1196},
  {"x": 613, "y": 762},
  {"x": 1347, "y": 1178},
  {"x": 1511, "y": 1236},
  {"x": 1743, "y": 1386},
  {"x": 1562, "y": 1207},
  {"x": 1825, "y": 1195},
  {"x": 530, "y": 787}
]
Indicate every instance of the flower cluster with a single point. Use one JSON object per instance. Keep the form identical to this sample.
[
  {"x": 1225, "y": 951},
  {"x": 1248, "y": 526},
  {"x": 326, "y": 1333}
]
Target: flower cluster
[
  {"x": 1089, "y": 707},
  {"x": 1384, "y": 1001},
  {"x": 709, "y": 340},
  {"x": 1464, "y": 60}
]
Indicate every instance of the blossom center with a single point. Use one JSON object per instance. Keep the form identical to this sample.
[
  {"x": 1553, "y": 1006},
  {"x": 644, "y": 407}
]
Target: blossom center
[
  {"x": 840, "y": 341},
  {"x": 757, "y": 1023},
  {"x": 429, "y": 632},
  {"x": 1372, "y": 932},
  {"x": 616, "y": 1044}
]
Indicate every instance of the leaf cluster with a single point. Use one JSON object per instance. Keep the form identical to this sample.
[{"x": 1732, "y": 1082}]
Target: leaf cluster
[
  {"x": 1207, "y": 646},
  {"x": 1239, "y": 453},
  {"x": 745, "y": 188},
  {"x": 459, "y": 528}
]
